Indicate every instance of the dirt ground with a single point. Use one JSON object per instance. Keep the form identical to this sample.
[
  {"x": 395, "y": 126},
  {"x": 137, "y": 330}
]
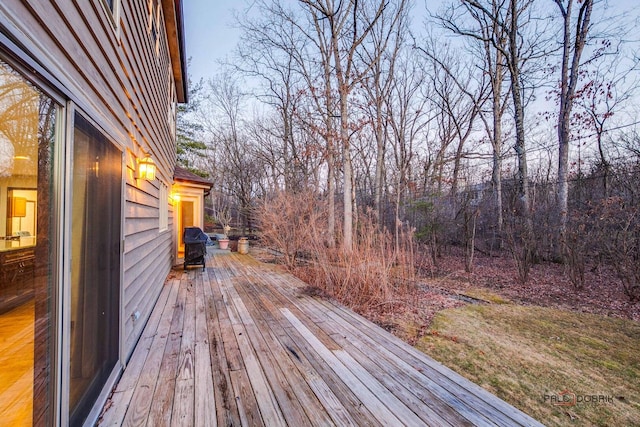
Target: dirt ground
[
  {"x": 494, "y": 280},
  {"x": 548, "y": 286}
]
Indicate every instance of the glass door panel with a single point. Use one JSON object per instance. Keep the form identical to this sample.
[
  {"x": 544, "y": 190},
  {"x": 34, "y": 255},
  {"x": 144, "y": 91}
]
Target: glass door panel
[
  {"x": 95, "y": 266},
  {"x": 27, "y": 135}
]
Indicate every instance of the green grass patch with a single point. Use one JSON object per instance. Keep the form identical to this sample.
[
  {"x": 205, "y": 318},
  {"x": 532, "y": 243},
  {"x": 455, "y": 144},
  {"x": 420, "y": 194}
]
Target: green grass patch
[
  {"x": 523, "y": 354},
  {"x": 485, "y": 295}
]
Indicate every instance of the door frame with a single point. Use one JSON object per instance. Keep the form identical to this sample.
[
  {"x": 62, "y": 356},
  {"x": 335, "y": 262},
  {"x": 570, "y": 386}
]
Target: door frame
[
  {"x": 184, "y": 192},
  {"x": 64, "y": 306}
]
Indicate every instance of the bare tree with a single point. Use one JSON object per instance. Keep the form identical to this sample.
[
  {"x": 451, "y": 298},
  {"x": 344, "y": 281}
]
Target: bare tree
[
  {"x": 377, "y": 89},
  {"x": 348, "y": 26},
  {"x": 305, "y": 55},
  {"x": 516, "y": 35},
  {"x": 607, "y": 88},
  {"x": 408, "y": 118},
  {"x": 269, "y": 49},
  {"x": 492, "y": 47},
  {"x": 239, "y": 171},
  {"x": 573, "y": 44},
  {"x": 460, "y": 90}
]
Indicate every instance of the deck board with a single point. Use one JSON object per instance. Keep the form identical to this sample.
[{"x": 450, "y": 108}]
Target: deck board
[
  {"x": 204, "y": 389},
  {"x": 240, "y": 344}
]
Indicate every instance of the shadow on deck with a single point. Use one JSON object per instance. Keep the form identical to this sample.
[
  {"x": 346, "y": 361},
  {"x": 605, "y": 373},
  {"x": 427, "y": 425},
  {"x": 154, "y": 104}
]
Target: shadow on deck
[{"x": 239, "y": 344}]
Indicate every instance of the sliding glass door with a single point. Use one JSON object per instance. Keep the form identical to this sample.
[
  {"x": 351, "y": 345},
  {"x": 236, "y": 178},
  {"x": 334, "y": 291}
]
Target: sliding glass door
[
  {"x": 95, "y": 266},
  {"x": 29, "y": 124}
]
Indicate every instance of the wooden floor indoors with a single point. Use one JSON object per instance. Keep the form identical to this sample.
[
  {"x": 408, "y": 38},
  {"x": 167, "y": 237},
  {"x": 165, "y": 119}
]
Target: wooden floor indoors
[
  {"x": 16, "y": 366},
  {"x": 239, "y": 344}
]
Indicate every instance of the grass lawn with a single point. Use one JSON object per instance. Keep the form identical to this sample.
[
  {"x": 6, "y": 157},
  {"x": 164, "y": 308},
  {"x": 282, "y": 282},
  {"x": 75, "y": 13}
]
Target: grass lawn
[{"x": 524, "y": 353}]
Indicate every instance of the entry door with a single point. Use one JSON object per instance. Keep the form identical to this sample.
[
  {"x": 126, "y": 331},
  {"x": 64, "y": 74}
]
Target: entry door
[
  {"x": 186, "y": 218},
  {"x": 95, "y": 267}
]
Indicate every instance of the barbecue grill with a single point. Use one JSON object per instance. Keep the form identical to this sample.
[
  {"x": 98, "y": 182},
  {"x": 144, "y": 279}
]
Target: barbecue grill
[{"x": 195, "y": 248}]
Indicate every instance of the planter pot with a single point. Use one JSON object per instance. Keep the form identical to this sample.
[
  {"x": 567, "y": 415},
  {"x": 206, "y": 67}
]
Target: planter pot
[
  {"x": 223, "y": 243},
  {"x": 243, "y": 246}
]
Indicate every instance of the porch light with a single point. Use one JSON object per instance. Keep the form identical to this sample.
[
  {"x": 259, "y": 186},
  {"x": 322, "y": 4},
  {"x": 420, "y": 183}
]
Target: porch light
[
  {"x": 146, "y": 168},
  {"x": 175, "y": 198}
]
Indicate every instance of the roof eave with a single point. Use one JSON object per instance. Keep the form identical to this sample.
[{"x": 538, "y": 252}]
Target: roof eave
[{"x": 174, "y": 23}]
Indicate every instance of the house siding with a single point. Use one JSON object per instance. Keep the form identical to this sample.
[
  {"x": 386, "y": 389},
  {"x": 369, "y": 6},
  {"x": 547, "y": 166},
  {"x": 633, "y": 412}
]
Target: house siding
[{"x": 114, "y": 76}]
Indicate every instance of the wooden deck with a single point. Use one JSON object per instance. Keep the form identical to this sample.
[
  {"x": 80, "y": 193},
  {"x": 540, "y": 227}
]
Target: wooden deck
[{"x": 239, "y": 344}]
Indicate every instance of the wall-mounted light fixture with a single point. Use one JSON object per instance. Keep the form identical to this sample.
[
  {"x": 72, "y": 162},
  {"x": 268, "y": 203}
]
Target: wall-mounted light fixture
[
  {"x": 174, "y": 198},
  {"x": 146, "y": 168}
]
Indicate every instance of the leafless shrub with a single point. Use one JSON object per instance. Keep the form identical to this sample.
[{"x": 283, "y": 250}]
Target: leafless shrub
[
  {"x": 520, "y": 244},
  {"x": 574, "y": 254},
  {"x": 616, "y": 232},
  {"x": 292, "y": 224},
  {"x": 579, "y": 245},
  {"x": 378, "y": 274},
  {"x": 431, "y": 219},
  {"x": 222, "y": 214}
]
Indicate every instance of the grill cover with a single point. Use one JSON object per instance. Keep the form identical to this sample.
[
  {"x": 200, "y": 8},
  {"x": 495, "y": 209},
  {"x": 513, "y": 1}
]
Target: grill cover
[{"x": 194, "y": 246}]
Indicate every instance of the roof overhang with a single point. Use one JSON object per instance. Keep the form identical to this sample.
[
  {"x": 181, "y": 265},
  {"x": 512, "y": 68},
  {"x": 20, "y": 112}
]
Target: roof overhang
[
  {"x": 186, "y": 178},
  {"x": 173, "y": 19}
]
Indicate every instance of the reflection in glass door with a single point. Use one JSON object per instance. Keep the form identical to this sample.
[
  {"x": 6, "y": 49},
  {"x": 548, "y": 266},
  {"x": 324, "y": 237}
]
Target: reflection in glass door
[
  {"x": 95, "y": 266},
  {"x": 27, "y": 134}
]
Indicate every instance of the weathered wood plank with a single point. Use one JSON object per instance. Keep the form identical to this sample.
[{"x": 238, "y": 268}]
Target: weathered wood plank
[
  {"x": 309, "y": 304},
  {"x": 205, "y": 402},
  {"x": 151, "y": 343},
  {"x": 269, "y": 409},
  {"x": 225, "y": 403},
  {"x": 232, "y": 352},
  {"x": 465, "y": 397},
  {"x": 367, "y": 398},
  {"x": 160, "y": 413},
  {"x": 398, "y": 379},
  {"x": 336, "y": 396},
  {"x": 241, "y": 347},
  {"x": 271, "y": 283},
  {"x": 284, "y": 401},
  {"x": 282, "y": 356},
  {"x": 395, "y": 378},
  {"x": 388, "y": 399},
  {"x": 184, "y": 396},
  {"x": 247, "y": 405}
]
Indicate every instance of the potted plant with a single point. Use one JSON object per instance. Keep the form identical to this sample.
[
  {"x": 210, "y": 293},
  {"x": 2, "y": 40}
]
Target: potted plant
[
  {"x": 223, "y": 241},
  {"x": 222, "y": 215}
]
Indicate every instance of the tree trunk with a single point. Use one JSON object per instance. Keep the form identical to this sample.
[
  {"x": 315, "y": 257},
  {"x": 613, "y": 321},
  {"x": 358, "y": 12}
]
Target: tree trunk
[
  {"x": 496, "y": 180},
  {"x": 496, "y": 138},
  {"x": 516, "y": 93},
  {"x": 331, "y": 194},
  {"x": 571, "y": 52},
  {"x": 347, "y": 226},
  {"x": 379, "y": 170}
]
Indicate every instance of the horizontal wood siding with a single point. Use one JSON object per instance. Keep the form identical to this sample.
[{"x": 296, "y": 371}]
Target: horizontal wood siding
[{"x": 113, "y": 74}]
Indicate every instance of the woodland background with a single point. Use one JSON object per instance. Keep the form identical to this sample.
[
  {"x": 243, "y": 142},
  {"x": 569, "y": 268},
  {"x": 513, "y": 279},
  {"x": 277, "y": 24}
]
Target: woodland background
[{"x": 366, "y": 148}]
